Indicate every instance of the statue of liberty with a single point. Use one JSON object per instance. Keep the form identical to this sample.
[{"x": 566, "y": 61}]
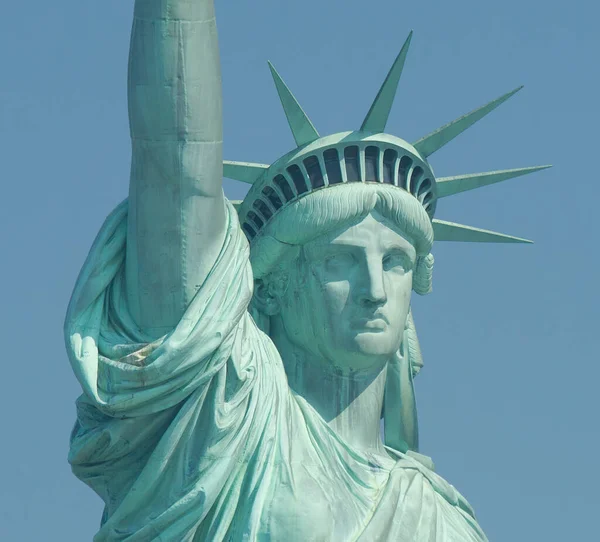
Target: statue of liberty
[{"x": 236, "y": 358}]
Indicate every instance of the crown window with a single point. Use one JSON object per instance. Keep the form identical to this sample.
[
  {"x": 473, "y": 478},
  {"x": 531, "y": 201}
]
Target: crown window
[
  {"x": 272, "y": 197},
  {"x": 371, "y": 164},
  {"x": 298, "y": 179},
  {"x": 423, "y": 189},
  {"x": 403, "y": 167},
  {"x": 389, "y": 159},
  {"x": 262, "y": 207},
  {"x": 284, "y": 186},
  {"x": 313, "y": 169},
  {"x": 352, "y": 164},
  {"x": 249, "y": 230},
  {"x": 414, "y": 179},
  {"x": 332, "y": 166},
  {"x": 256, "y": 219}
]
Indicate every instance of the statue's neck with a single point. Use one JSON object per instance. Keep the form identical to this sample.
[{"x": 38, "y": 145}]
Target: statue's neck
[{"x": 349, "y": 401}]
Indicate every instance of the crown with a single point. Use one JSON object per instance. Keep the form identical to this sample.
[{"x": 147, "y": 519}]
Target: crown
[{"x": 365, "y": 156}]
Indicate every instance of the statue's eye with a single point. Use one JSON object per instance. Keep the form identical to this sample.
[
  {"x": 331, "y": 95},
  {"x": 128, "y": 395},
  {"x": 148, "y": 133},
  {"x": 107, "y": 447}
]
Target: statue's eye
[
  {"x": 342, "y": 260},
  {"x": 397, "y": 261}
]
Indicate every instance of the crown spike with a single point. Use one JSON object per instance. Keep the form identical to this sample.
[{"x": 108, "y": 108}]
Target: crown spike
[
  {"x": 302, "y": 128},
  {"x": 243, "y": 171},
  {"x": 448, "y": 186},
  {"x": 449, "y": 231},
  {"x": 437, "y": 139},
  {"x": 379, "y": 113}
]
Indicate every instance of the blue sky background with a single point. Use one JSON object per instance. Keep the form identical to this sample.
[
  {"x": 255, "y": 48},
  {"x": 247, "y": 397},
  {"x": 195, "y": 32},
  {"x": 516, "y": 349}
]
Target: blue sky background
[{"x": 508, "y": 398}]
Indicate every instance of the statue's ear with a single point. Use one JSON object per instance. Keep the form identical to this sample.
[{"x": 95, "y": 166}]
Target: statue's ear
[
  {"x": 423, "y": 274},
  {"x": 266, "y": 299}
]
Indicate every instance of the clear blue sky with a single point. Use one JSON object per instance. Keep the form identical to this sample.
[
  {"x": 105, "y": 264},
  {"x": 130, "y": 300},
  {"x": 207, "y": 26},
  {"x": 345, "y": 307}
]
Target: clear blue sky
[{"x": 508, "y": 398}]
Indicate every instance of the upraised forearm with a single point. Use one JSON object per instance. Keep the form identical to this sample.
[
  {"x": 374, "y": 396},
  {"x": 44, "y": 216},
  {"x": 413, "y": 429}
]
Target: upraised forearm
[
  {"x": 174, "y": 74},
  {"x": 176, "y": 218}
]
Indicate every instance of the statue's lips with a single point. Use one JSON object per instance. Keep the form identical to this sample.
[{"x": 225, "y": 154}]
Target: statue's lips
[{"x": 376, "y": 322}]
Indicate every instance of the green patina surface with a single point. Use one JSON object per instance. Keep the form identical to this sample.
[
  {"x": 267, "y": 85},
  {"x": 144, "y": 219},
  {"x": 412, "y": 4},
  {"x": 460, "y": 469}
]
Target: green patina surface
[{"x": 236, "y": 360}]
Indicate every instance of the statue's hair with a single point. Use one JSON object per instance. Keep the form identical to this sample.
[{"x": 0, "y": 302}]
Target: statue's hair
[{"x": 325, "y": 210}]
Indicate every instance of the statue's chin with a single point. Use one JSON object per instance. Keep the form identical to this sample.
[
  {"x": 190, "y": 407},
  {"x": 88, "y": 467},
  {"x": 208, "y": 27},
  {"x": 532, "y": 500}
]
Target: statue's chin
[{"x": 368, "y": 349}]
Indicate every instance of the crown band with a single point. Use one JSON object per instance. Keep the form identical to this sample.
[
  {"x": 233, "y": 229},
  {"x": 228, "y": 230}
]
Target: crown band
[{"x": 366, "y": 161}]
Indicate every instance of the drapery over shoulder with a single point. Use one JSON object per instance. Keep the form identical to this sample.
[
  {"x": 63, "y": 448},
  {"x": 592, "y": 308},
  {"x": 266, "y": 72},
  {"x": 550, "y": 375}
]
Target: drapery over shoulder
[
  {"x": 168, "y": 431},
  {"x": 120, "y": 371}
]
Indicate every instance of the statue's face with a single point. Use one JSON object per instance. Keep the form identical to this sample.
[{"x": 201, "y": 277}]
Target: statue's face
[{"x": 348, "y": 301}]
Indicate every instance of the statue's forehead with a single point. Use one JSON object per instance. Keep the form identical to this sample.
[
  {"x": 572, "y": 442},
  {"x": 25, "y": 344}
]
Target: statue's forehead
[{"x": 372, "y": 229}]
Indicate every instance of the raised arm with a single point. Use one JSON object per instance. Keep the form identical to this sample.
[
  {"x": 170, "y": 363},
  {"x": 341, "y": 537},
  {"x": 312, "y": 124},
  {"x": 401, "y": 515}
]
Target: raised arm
[{"x": 176, "y": 206}]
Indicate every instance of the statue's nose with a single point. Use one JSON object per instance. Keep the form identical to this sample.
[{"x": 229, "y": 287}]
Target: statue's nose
[{"x": 372, "y": 287}]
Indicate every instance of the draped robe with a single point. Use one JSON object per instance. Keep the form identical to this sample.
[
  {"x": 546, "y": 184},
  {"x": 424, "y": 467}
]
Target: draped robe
[{"x": 196, "y": 436}]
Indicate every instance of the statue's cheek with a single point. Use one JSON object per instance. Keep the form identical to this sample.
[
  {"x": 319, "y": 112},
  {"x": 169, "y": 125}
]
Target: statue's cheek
[
  {"x": 398, "y": 286},
  {"x": 335, "y": 296}
]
